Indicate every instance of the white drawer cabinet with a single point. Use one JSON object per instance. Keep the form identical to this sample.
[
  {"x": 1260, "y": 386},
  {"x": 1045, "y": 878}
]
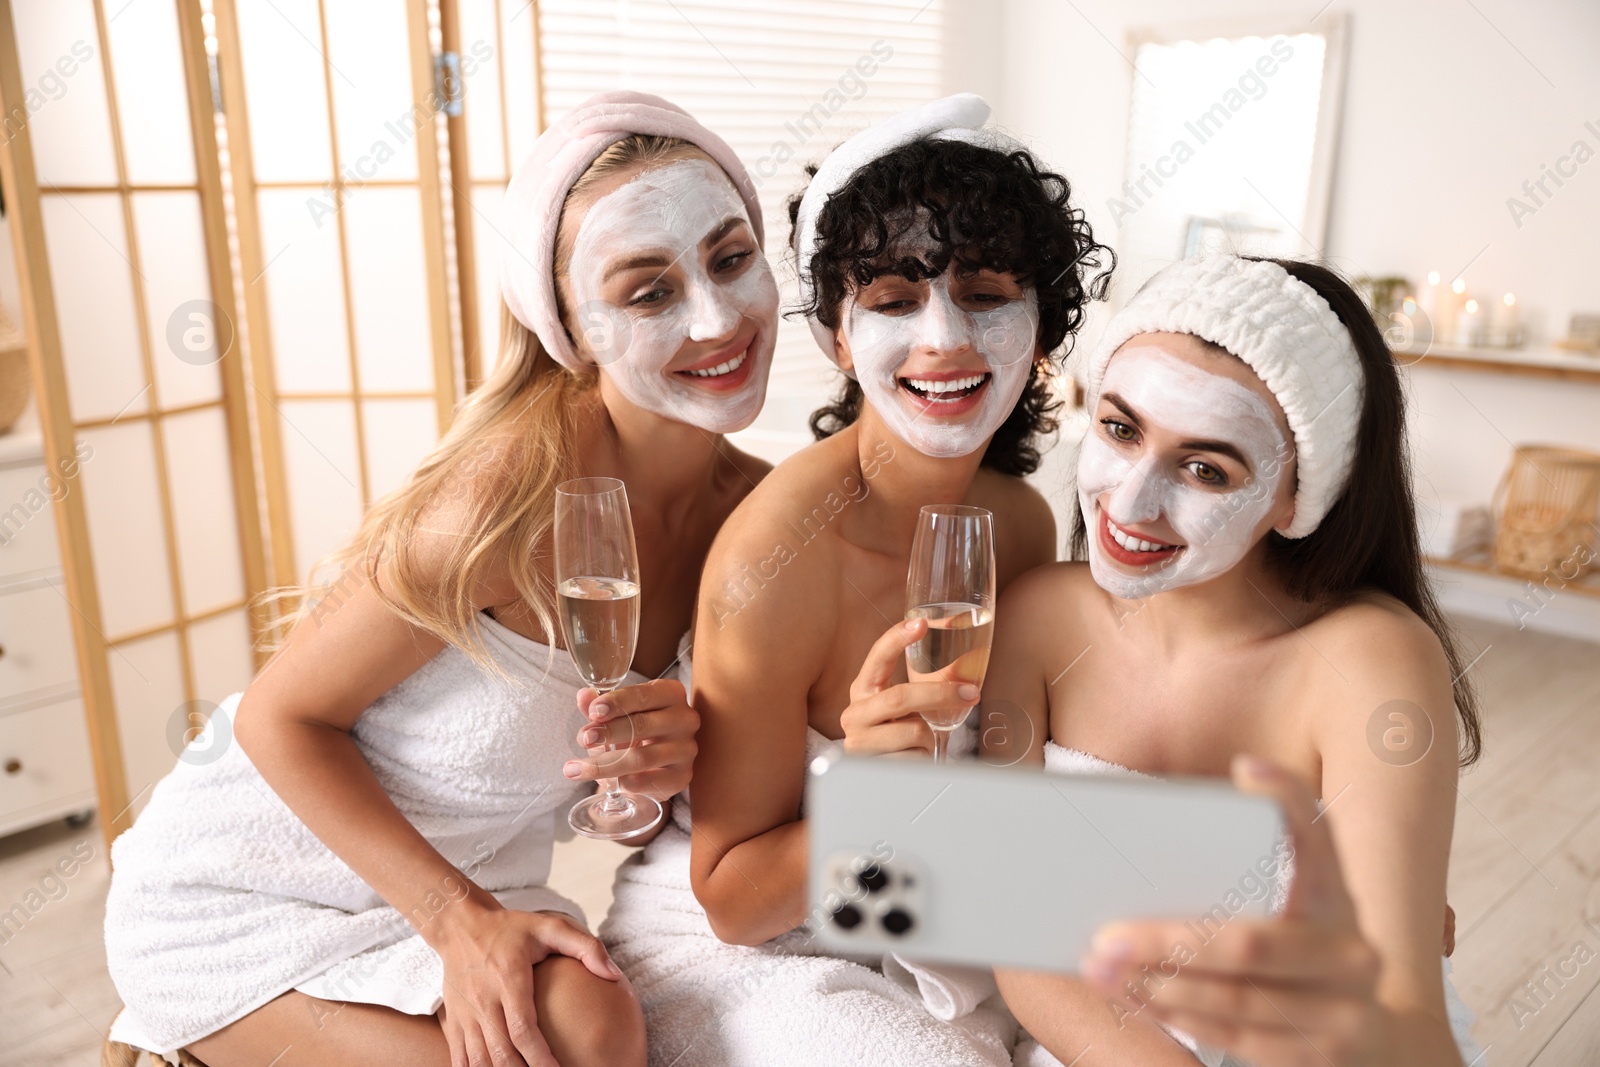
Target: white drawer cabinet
[
  {"x": 44, "y": 765},
  {"x": 35, "y": 640},
  {"x": 27, "y": 522},
  {"x": 45, "y": 770}
]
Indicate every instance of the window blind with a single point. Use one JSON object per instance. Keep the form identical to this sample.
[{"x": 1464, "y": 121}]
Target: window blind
[{"x": 783, "y": 82}]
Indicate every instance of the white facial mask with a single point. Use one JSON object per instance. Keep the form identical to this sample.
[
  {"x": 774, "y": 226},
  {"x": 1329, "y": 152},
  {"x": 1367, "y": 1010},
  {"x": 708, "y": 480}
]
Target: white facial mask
[
  {"x": 671, "y": 209},
  {"x": 881, "y": 344},
  {"x": 1134, "y": 486}
]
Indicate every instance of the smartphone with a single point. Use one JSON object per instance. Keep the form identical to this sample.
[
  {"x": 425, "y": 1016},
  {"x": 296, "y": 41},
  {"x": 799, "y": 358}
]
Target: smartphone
[{"x": 969, "y": 863}]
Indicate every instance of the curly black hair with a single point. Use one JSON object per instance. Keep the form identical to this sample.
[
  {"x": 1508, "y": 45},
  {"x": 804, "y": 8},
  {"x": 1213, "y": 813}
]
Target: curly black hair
[{"x": 983, "y": 209}]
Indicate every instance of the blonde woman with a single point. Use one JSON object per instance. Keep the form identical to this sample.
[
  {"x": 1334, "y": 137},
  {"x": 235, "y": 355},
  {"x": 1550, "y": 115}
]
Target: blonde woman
[{"x": 361, "y": 878}]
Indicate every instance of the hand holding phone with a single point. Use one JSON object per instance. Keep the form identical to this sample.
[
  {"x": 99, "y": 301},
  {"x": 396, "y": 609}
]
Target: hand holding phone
[{"x": 1312, "y": 958}]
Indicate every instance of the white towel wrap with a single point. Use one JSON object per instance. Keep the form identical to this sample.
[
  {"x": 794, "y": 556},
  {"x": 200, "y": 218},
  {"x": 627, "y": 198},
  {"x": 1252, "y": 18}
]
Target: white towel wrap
[{"x": 221, "y": 899}]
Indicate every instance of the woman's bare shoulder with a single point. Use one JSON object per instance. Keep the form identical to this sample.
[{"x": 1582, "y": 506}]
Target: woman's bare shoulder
[
  {"x": 1046, "y": 618},
  {"x": 1367, "y": 661},
  {"x": 1055, "y": 591},
  {"x": 1008, "y": 493},
  {"x": 791, "y": 491},
  {"x": 452, "y": 515},
  {"x": 778, "y": 532},
  {"x": 1025, "y": 524},
  {"x": 1377, "y": 636}
]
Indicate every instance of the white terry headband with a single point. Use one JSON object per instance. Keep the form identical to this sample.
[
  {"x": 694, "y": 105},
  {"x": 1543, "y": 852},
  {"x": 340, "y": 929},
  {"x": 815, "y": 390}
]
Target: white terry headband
[
  {"x": 1287, "y": 334},
  {"x": 530, "y": 213},
  {"x": 955, "y": 118}
]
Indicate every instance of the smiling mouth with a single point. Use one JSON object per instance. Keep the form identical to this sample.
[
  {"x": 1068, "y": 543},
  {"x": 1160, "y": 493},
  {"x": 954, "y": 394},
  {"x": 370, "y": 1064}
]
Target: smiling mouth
[
  {"x": 1136, "y": 544},
  {"x": 1130, "y": 549},
  {"x": 945, "y": 392},
  {"x": 721, "y": 368}
]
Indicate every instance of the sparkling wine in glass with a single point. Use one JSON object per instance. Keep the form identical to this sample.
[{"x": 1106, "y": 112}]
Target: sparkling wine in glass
[
  {"x": 951, "y": 584},
  {"x": 597, "y": 586}
]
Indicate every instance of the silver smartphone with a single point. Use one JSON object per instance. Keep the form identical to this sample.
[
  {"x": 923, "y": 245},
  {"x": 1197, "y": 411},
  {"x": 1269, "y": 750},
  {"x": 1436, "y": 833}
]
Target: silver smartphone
[{"x": 968, "y": 863}]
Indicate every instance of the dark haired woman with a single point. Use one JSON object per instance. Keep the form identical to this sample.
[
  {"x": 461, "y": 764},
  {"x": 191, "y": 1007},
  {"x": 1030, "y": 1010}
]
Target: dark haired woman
[
  {"x": 941, "y": 268},
  {"x": 1254, "y": 603}
]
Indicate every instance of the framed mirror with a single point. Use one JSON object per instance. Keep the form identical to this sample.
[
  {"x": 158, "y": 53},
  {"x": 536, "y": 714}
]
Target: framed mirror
[{"x": 1232, "y": 136}]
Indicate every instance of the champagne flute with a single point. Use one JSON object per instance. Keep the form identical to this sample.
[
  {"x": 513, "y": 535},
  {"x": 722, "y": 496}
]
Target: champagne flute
[
  {"x": 597, "y": 585},
  {"x": 951, "y": 584}
]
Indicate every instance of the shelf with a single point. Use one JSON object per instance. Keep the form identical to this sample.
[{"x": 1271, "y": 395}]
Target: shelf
[
  {"x": 1588, "y": 585},
  {"x": 1527, "y": 362}
]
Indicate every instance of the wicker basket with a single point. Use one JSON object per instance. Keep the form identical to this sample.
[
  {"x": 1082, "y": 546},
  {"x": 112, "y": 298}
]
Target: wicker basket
[
  {"x": 15, "y": 378},
  {"x": 1545, "y": 511}
]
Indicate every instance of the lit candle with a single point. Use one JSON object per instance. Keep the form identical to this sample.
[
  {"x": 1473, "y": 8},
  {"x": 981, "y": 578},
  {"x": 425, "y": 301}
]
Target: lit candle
[
  {"x": 1406, "y": 325},
  {"x": 1504, "y": 327},
  {"x": 1469, "y": 325},
  {"x": 1447, "y": 312},
  {"x": 1428, "y": 325}
]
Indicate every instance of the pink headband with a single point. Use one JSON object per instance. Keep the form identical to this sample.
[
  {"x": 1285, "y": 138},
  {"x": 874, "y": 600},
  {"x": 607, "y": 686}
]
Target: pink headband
[{"x": 539, "y": 186}]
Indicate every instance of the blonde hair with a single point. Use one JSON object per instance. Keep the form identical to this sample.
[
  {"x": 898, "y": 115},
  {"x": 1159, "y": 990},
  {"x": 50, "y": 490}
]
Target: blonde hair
[{"x": 494, "y": 474}]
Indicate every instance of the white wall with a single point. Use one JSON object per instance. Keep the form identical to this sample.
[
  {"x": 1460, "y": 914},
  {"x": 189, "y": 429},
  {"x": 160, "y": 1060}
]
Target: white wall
[{"x": 974, "y": 48}]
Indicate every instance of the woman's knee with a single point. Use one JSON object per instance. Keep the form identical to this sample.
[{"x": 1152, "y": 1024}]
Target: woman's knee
[{"x": 587, "y": 1021}]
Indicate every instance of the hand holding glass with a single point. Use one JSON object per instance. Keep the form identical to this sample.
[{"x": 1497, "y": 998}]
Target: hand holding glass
[
  {"x": 597, "y": 585},
  {"x": 951, "y": 584}
]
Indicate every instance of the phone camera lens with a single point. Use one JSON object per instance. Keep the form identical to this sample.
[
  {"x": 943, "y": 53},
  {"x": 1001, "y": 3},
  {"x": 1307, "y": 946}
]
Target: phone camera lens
[
  {"x": 873, "y": 878},
  {"x": 898, "y": 921},
  {"x": 847, "y": 916}
]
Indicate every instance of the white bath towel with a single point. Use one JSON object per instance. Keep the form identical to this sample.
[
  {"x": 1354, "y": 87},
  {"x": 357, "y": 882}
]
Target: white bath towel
[
  {"x": 222, "y": 899},
  {"x": 710, "y": 1004},
  {"x": 1029, "y": 1053}
]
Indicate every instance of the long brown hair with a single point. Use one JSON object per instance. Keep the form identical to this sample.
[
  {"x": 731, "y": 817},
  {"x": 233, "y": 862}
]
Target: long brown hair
[
  {"x": 1368, "y": 540},
  {"x": 490, "y": 482}
]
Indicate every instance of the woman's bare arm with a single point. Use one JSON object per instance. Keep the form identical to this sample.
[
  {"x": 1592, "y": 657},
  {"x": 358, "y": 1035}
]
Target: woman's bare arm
[
  {"x": 1067, "y": 1016},
  {"x": 1391, "y": 807},
  {"x": 756, "y": 658}
]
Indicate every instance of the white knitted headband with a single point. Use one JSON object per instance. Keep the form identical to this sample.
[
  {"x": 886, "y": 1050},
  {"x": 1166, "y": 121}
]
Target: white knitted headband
[
  {"x": 1287, "y": 334},
  {"x": 955, "y": 118}
]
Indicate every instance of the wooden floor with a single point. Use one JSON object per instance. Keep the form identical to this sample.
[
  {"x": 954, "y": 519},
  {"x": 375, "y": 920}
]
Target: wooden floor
[
  {"x": 1525, "y": 864},
  {"x": 1525, "y": 881}
]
